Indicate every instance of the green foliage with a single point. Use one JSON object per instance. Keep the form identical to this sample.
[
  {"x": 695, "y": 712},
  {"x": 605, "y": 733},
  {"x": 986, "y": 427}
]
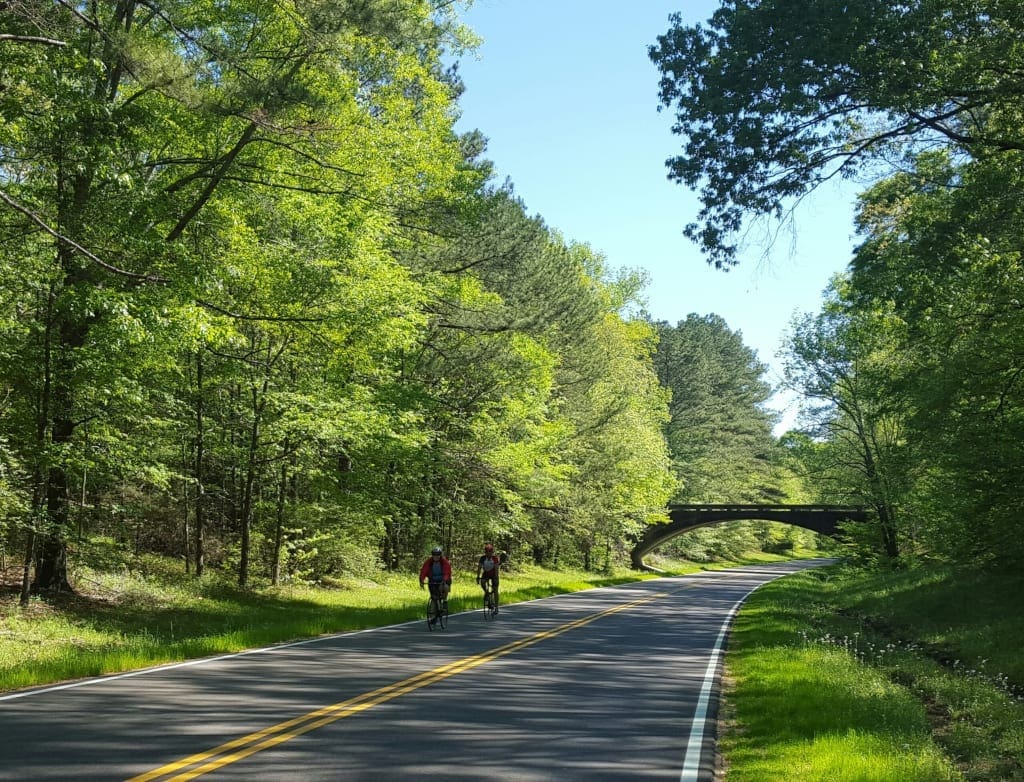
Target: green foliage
[
  {"x": 197, "y": 193},
  {"x": 949, "y": 264},
  {"x": 13, "y": 502},
  {"x": 914, "y": 357},
  {"x": 263, "y": 309},
  {"x": 841, "y": 361},
  {"x": 910, "y": 370},
  {"x": 773, "y": 98},
  {"x": 719, "y": 433}
]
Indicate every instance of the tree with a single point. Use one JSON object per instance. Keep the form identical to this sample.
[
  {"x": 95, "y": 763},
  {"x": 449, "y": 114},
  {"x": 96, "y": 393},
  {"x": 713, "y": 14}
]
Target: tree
[
  {"x": 840, "y": 361},
  {"x": 719, "y": 435},
  {"x": 774, "y": 97},
  {"x": 615, "y": 410},
  {"x": 942, "y": 251},
  {"x": 169, "y": 117},
  {"x": 542, "y": 415}
]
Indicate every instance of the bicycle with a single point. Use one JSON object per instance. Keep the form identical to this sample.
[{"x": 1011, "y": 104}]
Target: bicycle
[
  {"x": 490, "y": 605},
  {"x": 437, "y": 611}
]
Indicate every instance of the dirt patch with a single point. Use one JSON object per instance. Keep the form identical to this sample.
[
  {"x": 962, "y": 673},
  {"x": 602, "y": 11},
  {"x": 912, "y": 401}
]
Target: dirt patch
[{"x": 725, "y": 724}]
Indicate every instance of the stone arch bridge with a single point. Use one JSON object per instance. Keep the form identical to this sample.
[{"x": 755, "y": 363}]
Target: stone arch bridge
[{"x": 683, "y": 518}]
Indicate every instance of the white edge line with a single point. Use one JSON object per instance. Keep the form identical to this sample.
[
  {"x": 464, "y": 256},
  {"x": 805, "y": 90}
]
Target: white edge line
[{"x": 691, "y": 762}]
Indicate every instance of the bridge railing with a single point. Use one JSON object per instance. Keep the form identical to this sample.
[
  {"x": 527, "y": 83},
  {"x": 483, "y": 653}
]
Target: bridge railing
[{"x": 729, "y": 507}]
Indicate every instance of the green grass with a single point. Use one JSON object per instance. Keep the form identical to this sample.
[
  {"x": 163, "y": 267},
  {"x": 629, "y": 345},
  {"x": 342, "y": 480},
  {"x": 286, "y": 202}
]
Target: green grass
[{"x": 840, "y": 674}]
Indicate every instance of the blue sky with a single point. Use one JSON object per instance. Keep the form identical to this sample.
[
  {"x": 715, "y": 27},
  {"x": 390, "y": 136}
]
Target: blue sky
[{"x": 567, "y": 96}]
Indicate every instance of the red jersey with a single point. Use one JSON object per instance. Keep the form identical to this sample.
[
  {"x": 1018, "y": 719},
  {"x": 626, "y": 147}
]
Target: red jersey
[{"x": 436, "y": 572}]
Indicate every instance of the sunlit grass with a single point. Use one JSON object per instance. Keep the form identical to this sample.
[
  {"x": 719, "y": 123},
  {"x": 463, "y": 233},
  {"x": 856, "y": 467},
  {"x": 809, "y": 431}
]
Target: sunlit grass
[
  {"x": 820, "y": 691},
  {"x": 669, "y": 567},
  {"x": 846, "y": 757},
  {"x": 815, "y": 713}
]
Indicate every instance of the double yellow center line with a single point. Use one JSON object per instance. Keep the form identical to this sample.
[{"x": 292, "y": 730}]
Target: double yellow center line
[{"x": 240, "y": 748}]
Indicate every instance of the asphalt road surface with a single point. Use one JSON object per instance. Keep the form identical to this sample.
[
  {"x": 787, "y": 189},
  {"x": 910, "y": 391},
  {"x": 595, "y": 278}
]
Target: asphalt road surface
[{"x": 618, "y": 683}]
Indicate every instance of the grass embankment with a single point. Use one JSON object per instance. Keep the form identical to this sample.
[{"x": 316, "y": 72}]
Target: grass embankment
[{"x": 840, "y": 675}]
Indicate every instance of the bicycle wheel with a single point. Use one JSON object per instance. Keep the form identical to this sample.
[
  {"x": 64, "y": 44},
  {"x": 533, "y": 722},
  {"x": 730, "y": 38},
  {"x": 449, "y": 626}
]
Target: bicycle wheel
[
  {"x": 432, "y": 613},
  {"x": 442, "y": 615},
  {"x": 488, "y": 604}
]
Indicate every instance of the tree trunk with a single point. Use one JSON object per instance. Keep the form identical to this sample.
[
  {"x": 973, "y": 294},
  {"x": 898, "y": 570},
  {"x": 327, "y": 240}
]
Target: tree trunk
[
  {"x": 51, "y": 572},
  {"x": 26, "y": 573},
  {"x": 70, "y": 328},
  {"x": 258, "y": 396},
  {"x": 388, "y": 546},
  {"x": 890, "y": 540},
  {"x": 282, "y": 493},
  {"x": 200, "y": 536}
]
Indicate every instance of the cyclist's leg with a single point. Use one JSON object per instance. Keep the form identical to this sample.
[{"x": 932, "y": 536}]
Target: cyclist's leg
[
  {"x": 435, "y": 602},
  {"x": 442, "y": 615},
  {"x": 485, "y": 584}
]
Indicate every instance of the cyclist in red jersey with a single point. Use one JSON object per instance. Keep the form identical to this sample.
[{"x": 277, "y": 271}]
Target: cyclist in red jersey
[{"x": 438, "y": 571}]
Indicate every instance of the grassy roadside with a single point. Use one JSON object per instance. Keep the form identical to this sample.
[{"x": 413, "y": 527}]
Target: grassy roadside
[
  {"x": 848, "y": 676},
  {"x": 118, "y": 623}
]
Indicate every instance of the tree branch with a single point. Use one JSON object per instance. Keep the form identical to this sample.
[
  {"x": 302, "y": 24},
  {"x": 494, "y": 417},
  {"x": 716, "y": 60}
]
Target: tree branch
[
  {"x": 74, "y": 245},
  {"x": 31, "y": 39}
]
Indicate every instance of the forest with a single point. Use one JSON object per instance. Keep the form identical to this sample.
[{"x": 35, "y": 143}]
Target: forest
[
  {"x": 264, "y": 311},
  {"x": 911, "y": 373}
]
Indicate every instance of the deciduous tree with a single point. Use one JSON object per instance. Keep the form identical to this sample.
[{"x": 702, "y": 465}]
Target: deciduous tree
[{"x": 773, "y": 97}]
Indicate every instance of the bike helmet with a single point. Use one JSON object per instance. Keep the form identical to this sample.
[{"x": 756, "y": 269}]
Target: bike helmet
[
  {"x": 488, "y": 548},
  {"x": 436, "y": 550}
]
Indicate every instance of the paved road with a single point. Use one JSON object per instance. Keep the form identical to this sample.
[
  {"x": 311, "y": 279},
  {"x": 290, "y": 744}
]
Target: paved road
[{"x": 610, "y": 684}]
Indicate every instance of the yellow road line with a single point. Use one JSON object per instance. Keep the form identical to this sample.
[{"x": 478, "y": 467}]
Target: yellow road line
[{"x": 243, "y": 747}]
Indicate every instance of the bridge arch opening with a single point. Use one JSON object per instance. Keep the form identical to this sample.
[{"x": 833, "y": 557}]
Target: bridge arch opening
[{"x": 823, "y": 519}]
